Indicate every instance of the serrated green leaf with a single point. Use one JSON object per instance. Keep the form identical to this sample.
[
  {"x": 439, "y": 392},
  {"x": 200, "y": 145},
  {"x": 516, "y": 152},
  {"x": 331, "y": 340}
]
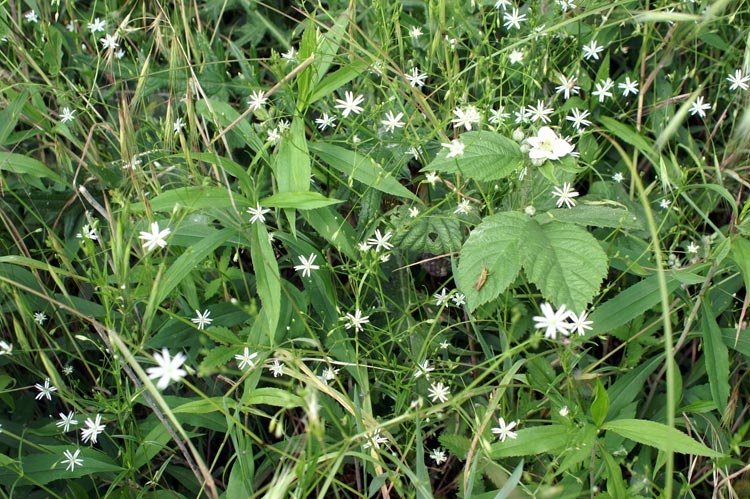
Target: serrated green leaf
[
  {"x": 487, "y": 156},
  {"x": 436, "y": 233},
  {"x": 298, "y": 200},
  {"x": 565, "y": 262},
  {"x": 361, "y": 168},
  {"x": 658, "y": 435},
  {"x": 491, "y": 257},
  {"x": 457, "y": 445},
  {"x": 533, "y": 441},
  {"x": 593, "y": 215}
]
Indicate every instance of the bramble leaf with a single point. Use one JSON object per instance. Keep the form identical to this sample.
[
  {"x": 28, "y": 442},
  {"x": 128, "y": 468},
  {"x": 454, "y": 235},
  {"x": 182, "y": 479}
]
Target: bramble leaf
[
  {"x": 565, "y": 262},
  {"x": 488, "y": 156}
]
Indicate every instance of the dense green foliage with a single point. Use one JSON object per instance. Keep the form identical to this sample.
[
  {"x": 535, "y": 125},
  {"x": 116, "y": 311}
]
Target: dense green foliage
[{"x": 386, "y": 249}]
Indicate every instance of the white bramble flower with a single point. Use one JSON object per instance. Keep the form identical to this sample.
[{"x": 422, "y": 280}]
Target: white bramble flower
[
  {"x": 155, "y": 238},
  {"x": 565, "y": 195},
  {"x": 504, "y": 430},
  {"x": 93, "y": 429},
  {"x": 45, "y": 391},
  {"x": 455, "y": 148},
  {"x": 547, "y": 145},
  {"x": 72, "y": 459},
  {"x": 553, "y": 321},
  {"x": 201, "y": 319},
  {"x": 246, "y": 358},
  {"x": 349, "y": 104},
  {"x": 168, "y": 368}
]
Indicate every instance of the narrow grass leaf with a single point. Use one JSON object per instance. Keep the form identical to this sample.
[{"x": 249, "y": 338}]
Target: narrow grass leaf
[
  {"x": 659, "y": 436},
  {"x": 532, "y": 441},
  {"x": 716, "y": 355},
  {"x": 513, "y": 480},
  {"x": 298, "y": 200},
  {"x": 361, "y": 168},
  {"x": 615, "y": 484},
  {"x": 193, "y": 198},
  {"x": 267, "y": 278},
  {"x": 629, "y": 304},
  {"x": 23, "y": 165}
]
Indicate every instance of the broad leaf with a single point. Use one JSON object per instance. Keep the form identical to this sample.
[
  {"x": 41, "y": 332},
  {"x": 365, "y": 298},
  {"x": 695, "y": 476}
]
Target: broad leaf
[
  {"x": 564, "y": 261},
  {"x": 436, "y": 233},
  {"x": 487, "y": 156},
  {"x": 658, "y": 435},
  {"x": 491, "y": 257}
]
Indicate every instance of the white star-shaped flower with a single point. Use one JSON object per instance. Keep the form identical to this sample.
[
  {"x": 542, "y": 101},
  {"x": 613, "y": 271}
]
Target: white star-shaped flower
[
  {"x": 349, "y": 104},
  {"x": 504, "y": 430},
  {"x": 246, "y": 358},
  {"x": 553, "y": 321},
  {"x": 565, "y": 195},
  {"x": 72, "y": 459},
  {"x": 155, "y": 238},
  {"x": 201, "y": 319},
  {"x": 455, "y": 148},
  {"x": 168, "y": 368},
  {"x": 306, "y": 265}
]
